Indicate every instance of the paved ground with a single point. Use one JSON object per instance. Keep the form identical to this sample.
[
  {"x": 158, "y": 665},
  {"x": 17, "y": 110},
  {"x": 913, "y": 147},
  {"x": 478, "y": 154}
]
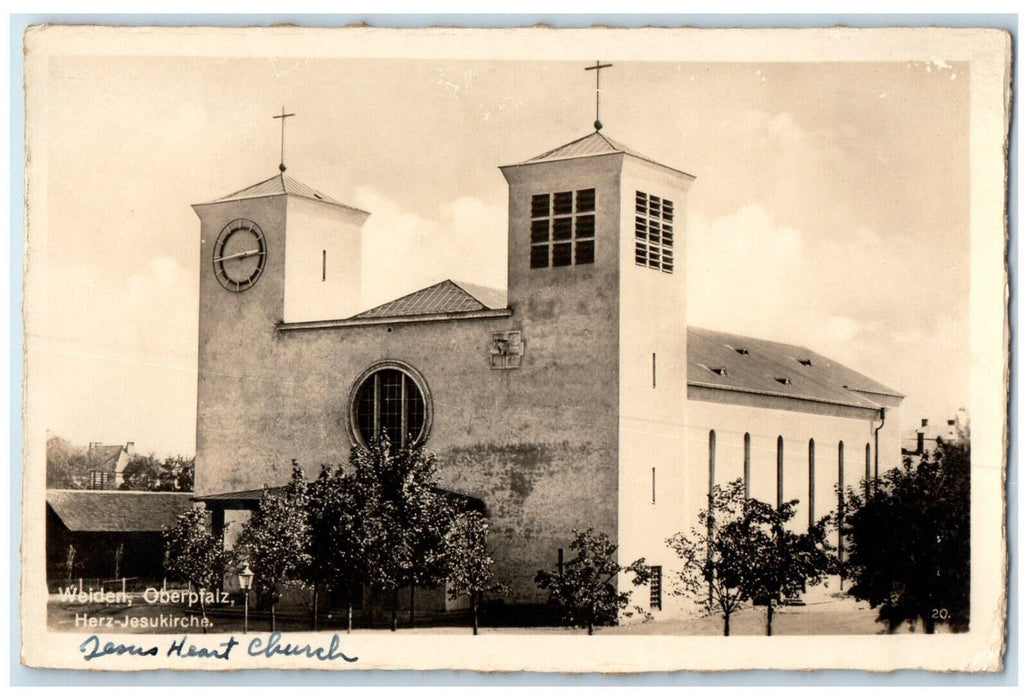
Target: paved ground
[{"x": 823, "y": 615}]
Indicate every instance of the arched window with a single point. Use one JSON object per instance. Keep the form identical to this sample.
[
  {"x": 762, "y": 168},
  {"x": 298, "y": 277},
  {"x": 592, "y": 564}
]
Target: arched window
[
  {"x": 781, "y": 471},
  {"x": 712, "y": 447},
  {"x": 810, "y": 483},
  {"x": 390, "y": 399},
  {"x": 746, "y": 464},
  {"x": 842, "y": 499},
  {"x": 867, "y": 469}
]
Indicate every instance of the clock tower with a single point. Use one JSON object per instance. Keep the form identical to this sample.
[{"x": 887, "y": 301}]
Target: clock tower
[{"x": 278, "y": 251}]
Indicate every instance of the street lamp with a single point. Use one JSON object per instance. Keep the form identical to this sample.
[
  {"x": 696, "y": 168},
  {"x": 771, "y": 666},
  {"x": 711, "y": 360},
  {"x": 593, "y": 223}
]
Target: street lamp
[{"x": 245, "y": 582}]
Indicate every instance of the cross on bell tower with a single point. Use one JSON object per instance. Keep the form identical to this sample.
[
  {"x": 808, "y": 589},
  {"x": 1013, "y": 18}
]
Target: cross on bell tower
[
  {"x": 282, "y": 152},
  {"x": 598, "y": 67}
]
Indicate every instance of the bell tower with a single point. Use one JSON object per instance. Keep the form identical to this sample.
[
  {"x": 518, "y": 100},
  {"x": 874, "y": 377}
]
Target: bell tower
[
  {"x": 277, "y": 251},
  {"x": 596, "y": 280}
]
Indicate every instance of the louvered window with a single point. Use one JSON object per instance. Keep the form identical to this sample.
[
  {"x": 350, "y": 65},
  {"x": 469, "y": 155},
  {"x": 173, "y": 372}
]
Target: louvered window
[
  {"x": 563, "y": 229},
  {"x": 656, "y": 601},
  {"x": 654, "y": 232}
]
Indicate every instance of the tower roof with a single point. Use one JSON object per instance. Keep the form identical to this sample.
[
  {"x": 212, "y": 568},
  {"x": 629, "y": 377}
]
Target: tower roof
[
  {"x": 282, "y": 184},
  {"x": 594, "y": 144}
]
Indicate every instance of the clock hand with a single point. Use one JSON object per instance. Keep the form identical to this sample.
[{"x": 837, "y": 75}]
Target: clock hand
[{"x": 244, "y": 254}]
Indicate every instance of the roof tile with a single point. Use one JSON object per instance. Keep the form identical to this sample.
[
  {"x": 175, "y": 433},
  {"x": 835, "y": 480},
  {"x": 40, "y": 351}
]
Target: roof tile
[{"x": 117, "y": 511}]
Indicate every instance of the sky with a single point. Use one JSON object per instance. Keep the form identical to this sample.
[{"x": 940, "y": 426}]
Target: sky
[{"x": 830, "y": 209}]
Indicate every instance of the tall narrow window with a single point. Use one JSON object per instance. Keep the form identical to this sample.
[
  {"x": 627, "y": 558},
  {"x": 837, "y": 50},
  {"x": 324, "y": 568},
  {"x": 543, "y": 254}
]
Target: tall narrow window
[
  {"x": 563, "y": 229},
  {"x": 810, "y": 483},
  {"x": 655, "y": 588},
  {"x": 746, "y": 466},
  {"x": 712, "y": 447},
  {"x": 654, "y": 370},
  {"x": 653, "y": 485},
  {"x": 841, "y": 505},
  {"x": 867, "y": 469},
  {"x": 654, "y": 232},
  {"x": 781, "y": 471},
  {"x": 324, "y": 264}
]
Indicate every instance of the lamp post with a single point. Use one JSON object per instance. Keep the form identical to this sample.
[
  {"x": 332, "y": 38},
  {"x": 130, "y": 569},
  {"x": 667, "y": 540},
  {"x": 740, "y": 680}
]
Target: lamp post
[{"x": 245, "y": 582}]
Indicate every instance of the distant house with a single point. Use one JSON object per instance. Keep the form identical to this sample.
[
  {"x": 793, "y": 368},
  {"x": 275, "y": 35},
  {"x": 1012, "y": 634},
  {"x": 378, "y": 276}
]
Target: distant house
[
  {"x": 108, "y": 534},
  {"x": 928, "y": 437},
  {"x": 107, "y": 464}
]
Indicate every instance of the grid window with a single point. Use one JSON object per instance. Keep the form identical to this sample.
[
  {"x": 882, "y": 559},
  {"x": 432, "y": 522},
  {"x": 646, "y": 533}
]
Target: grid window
[
  {"x": 655, "y": 588},
  {"x": 389, "y": 402},
  {"x": 654, "y": 232},
  {"x": 563, "y": 229}
]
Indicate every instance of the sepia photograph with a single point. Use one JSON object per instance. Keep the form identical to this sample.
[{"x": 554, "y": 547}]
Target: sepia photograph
[{"x": 597, "y": 350}]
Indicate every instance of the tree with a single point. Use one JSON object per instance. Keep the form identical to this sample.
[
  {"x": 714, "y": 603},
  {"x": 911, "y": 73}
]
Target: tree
[
  {"x": 142, "y": 473},
  {"x": 147, "y": 473},
  {"x": 339, "y": 536},
  {"x": 275, "y": 541},
  {"x": 784, "y": 562},
  {"x": 192, "y": 552},
  {"x": 909, "y": 534},
  {"x": 405, "y": 516},
  {"x": 741, "y": 551},
  {"x": 67, "y": 466},
  {"x": 715, "y": 558},
  {"x": 469, "y": 561},
  {"x": 585, "y": 587}
]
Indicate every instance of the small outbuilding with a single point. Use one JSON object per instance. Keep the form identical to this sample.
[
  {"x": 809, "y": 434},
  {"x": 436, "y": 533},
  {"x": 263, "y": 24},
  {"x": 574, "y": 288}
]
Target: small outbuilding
[{"x": 109, "y": 534}]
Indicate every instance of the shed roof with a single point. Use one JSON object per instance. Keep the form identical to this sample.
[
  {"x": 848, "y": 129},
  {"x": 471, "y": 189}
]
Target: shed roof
[
  {"x": 447, "y": 296},
  {"x": 117, "y": 511},
  {"x": 740, "y": 363}
]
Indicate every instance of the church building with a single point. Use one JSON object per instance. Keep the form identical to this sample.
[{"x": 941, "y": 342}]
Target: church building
[{"x": 577, "y": 398}]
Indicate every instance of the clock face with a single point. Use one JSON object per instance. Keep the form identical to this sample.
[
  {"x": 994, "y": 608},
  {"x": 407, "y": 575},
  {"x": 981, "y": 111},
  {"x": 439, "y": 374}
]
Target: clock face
[{"x": 239, "y": 255}]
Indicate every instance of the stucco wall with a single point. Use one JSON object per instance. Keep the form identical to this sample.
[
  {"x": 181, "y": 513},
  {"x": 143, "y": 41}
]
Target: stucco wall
[
  {"x": 537, "y": 444},
  {"x": 654, "y": 467},
  {"x": 321, "y": 232}
]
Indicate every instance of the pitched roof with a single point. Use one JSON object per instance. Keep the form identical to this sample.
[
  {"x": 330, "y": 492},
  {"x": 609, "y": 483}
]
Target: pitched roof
[
  {"x": 104, "y": 456},
  {"x": 734, "y": 362},
  {"x": 594, "y": 144},
  {"x": 281, "y": 184},
  {"x": 444, "y": 297},
  {"x": 117, "y": 511}
]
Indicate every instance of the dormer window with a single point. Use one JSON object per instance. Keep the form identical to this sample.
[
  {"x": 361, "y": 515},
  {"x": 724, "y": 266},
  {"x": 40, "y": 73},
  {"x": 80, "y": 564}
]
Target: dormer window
[
  {"x": 563, "y": 229},
  {"x": 654, "y": 232},
  {"x": 805, "y": 362},
  {"x": 720, "y": 371},
  {"x": 783, "y": 380}
]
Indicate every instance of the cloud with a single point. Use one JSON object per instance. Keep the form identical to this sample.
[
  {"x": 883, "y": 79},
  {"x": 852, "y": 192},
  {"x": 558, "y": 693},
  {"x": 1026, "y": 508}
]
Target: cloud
[
  {"x": 860, "y": 299},
  {"x": 463, "y": 239},
  {"x": 117, "y": 353}
]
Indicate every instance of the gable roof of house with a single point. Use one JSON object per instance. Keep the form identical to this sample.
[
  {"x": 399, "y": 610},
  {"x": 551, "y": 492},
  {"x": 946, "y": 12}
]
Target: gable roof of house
[
  {"x": 104, "y": 456},
  {"x": 740, "y": 363},
  {"x": 282, "y": 184},
  {"x": 443, "y": 297},
  {"x": 117, "y": 511}
]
